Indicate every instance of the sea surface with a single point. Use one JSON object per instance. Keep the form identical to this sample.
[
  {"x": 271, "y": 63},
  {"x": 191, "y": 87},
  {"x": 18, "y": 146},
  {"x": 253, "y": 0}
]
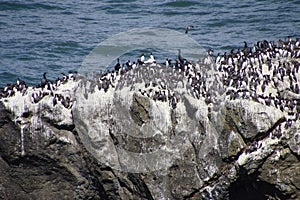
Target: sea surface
[{"x": 38, "y": 36}]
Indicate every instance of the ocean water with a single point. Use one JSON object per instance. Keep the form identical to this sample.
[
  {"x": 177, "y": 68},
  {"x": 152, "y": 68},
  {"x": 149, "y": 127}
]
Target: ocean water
[{"x": 39, "y": 36}]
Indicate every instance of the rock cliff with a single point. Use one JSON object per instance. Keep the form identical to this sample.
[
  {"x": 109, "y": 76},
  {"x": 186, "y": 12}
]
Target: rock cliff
[{"x": 194, "y": 131}]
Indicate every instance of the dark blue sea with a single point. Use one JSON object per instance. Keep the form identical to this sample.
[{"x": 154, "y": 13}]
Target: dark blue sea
[{"x": 39, "y": 36}]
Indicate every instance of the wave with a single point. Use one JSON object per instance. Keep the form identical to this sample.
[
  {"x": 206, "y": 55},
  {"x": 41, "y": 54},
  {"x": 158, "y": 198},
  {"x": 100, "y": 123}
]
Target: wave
[
  {"x": 179, "y": 4},
  {"x": 4, "y": 6}
]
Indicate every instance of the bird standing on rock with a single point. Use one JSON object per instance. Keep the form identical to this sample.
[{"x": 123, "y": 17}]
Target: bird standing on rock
[
  {"x": 150, "y": 60},
  {"x": 168, "y": 62},
  {"x": 117, "y": 66},
  {"x": 141, "y": 60},
  {"x": 209, "y": 59},
  {"x": 44, "y": 80},
  {"x": 246, "y": 49},
  {"x": 180, "y": 58}
]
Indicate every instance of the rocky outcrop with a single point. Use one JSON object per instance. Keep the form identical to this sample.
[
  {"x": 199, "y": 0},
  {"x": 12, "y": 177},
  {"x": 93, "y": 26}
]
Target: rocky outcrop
[{"x": 147, "y": 139}]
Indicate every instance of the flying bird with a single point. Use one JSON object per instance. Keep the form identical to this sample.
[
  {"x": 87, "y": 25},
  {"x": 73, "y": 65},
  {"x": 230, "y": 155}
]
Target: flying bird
[{"x": 188, "y": 28}]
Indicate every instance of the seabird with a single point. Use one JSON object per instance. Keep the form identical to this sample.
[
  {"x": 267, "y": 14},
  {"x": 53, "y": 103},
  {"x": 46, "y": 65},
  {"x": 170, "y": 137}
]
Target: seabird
[
  {"x": 210, "y": 52},
  {"x": 246, "y": 49},
  {"x": 128, "y": 65},
  {"x": 18, "y": 82},
  {"x": 188, "y": 28},
  {"x": 54, "y": 100},
  {"x": 209, "y": 58},
  {"x": 117, "y": 66},
  {"x": 70, "y": 75},
  {"x": 65, "y": 78},
  {"x": 218, "y": 59},
  {"x": 33, "y": 99},
  {"x": 133, "y": 65},
  {"x": 180, "y": 58},
  {"x": 168, "y": 62},
  {"x": 150, "y": 60},
  {"x": 142, "y": 59},
  {"x": 44, "y": 80}
]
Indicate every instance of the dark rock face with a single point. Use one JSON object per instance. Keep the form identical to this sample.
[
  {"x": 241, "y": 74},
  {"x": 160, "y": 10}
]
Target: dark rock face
[
  {"x": 49, "y": 169},
  {"x": 139, "y": 110},
  {"x": 55, "y": 169},
  {"x": 250, "y": 187}
]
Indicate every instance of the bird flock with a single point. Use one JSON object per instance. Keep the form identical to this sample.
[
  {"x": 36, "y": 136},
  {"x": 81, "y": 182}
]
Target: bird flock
[
  {"x": 46, "y": 88},
  {"x": 267, "y": 73},
  {"x": 260, "y": 73}
]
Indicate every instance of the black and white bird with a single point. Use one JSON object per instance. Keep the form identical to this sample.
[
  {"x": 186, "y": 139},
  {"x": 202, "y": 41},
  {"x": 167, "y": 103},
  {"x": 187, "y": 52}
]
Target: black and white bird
[
  {"x": 117, "y": 66},
  {"x": 180, "y": 58},
  {"x": 168, "y": 62},
  {"x": 150, "y": 60},
  {"x": 142, "y": 59},
  {"x": 44, "y": 80},
  {"x": 209, "y": 59},
  {"x": 188, "y": 28}
]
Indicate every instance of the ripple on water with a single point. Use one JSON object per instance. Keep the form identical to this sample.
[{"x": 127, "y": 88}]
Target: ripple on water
[
  {"x": 180, "y": 4},
  {"x": 26, "y": 6},
  {"x": 7, "y": 77}
]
